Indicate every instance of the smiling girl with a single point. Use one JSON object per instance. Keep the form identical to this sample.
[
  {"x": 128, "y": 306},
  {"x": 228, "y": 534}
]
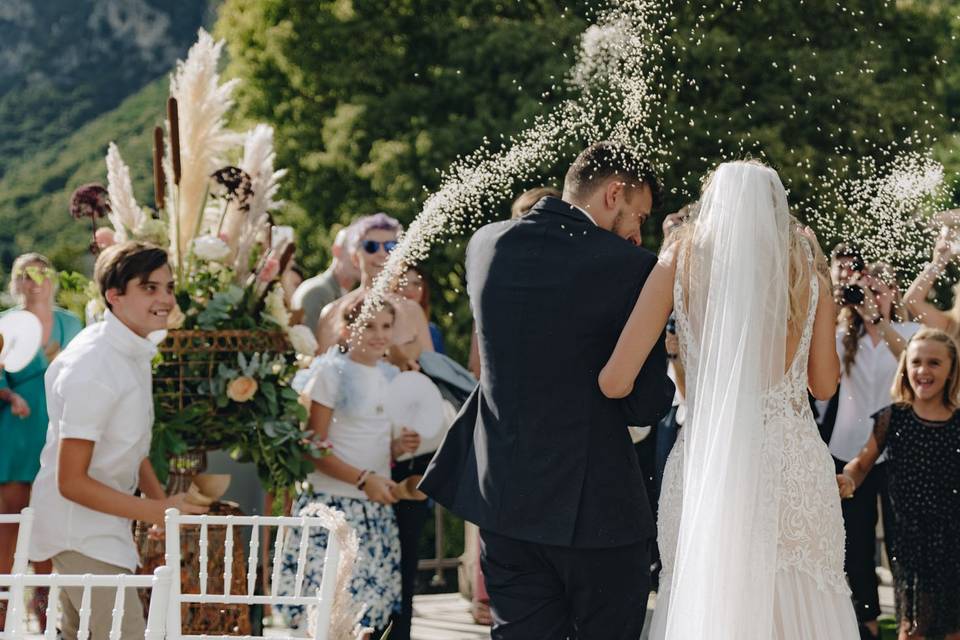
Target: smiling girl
[
  {"x": 920, "y": 433},
  {"x": 348, "y": 391}
]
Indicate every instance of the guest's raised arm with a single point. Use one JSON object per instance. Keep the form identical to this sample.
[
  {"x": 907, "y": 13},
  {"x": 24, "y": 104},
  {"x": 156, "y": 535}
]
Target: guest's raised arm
[{"x": 916, "y": 298}]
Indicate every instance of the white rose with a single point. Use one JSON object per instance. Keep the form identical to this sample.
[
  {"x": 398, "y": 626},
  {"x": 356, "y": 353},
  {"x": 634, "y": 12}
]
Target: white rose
[
  {"x": 302, "y": 339},
  {"x": 275, "y": 308},
  {"x": 94, "y": 310},
  {"x": 210, "y": 249}
]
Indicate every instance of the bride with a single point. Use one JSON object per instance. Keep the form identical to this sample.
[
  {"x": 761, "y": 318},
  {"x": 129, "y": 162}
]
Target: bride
[{"x": 750, "y": 529}]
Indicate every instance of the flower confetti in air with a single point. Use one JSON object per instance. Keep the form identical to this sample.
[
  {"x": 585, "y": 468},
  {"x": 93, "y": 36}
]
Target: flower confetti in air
[{"x": 624, "y": 80}]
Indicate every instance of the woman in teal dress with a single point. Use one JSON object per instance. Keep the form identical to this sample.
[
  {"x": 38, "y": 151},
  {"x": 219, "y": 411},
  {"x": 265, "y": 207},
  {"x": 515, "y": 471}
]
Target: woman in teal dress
[{"x": 23, "y": 404}]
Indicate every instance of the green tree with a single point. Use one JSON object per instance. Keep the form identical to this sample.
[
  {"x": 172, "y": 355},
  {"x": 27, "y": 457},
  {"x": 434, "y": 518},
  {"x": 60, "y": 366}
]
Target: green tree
[{"x": 370, "y": 99}]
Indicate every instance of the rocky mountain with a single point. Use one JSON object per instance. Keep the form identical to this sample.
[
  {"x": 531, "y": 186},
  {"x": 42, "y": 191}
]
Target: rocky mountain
[{"x": 65, "y": 62}]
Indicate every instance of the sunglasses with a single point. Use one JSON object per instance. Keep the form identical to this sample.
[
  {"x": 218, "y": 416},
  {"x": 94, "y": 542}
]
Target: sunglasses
[
  {"x": 37, "y": 274},
  {"x": 372, "y": 246}
]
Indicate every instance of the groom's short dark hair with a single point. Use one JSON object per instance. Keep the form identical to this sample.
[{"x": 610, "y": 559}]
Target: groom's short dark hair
[{"x": 604, "y": 160}]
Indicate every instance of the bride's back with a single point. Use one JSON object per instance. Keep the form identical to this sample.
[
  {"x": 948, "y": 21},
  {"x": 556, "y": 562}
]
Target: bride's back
[
  {"x": 708, "y": 248},
  {"x": 797, "y": 282}
]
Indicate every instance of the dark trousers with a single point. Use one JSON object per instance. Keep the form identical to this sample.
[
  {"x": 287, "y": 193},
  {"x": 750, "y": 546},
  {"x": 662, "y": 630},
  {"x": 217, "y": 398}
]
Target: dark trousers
[
  {"x": 411, "y": 516},
  {"x": 543, "y": 592},
  {"x": 860, "y": 516}
]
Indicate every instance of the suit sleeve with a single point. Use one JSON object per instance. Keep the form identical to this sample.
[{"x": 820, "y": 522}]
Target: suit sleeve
[{"x": 653, "y": 391}]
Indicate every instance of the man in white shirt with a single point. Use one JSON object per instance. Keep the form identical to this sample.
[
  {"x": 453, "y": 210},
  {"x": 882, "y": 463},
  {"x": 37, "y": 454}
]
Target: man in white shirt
[
  {"x": 100, "y": 402},
  {"x": 317, "y": 292}
]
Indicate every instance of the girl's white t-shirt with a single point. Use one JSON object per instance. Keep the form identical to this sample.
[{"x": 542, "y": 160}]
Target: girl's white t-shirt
[
  {"x": 864, "y": 391},
  {"x": 360, "y": 430}
]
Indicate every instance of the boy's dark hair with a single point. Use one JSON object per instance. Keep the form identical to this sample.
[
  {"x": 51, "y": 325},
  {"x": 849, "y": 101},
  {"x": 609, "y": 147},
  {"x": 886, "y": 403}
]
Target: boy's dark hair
[
  {"x": 118, "y": 264},
  {"x": 604, "y": 160},
  {"x": 844, "y": 250}
]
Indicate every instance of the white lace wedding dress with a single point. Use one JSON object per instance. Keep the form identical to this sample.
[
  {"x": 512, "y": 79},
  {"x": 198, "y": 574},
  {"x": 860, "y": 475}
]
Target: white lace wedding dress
[{"x": 809, "y": 593}]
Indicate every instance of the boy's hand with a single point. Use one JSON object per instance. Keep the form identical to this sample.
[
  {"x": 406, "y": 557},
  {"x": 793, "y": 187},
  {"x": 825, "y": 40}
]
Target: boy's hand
[{"x": 179, "y": 502}]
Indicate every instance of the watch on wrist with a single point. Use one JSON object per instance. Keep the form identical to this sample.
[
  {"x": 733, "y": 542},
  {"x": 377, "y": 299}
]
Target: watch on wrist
[{"x": 876, "y": 319}]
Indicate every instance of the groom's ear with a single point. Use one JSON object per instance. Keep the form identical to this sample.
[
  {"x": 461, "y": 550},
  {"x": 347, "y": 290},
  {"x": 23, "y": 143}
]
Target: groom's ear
[{"x": 613, "y": 191}]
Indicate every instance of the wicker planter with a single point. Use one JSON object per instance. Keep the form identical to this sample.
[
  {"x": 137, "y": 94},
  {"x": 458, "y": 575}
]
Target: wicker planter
[{"x": 193, "y": 356}]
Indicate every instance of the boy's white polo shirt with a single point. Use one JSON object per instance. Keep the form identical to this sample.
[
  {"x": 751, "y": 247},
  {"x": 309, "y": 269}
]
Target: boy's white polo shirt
[{"x": 99, "y": 388}]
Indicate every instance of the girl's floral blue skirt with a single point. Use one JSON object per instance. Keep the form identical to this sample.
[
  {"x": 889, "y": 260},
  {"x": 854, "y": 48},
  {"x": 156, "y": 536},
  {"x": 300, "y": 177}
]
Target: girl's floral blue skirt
[{"x": 376, "y": 574}]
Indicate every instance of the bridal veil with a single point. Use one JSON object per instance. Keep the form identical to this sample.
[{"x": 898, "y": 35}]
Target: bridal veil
[{"x": 737, "y": 302}]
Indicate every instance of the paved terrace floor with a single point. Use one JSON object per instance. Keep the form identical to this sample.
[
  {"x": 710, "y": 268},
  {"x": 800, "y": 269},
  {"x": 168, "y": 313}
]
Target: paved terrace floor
[{"x": 446, "y": 616}]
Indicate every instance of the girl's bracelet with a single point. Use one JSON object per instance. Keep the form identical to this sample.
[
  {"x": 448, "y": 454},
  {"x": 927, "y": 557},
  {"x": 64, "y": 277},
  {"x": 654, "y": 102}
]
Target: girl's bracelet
[{"x": 362, "y": 480}]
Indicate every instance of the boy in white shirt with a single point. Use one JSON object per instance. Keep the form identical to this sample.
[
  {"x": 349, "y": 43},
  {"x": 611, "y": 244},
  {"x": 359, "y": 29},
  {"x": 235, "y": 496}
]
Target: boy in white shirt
[{"x": 100, "y": 402}]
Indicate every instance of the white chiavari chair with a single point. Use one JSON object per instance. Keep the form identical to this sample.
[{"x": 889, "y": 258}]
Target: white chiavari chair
[
  {"x": 321, "y": 601},
  {"x": 159, "y": 584},
  {"x": 24, "y": 520}
]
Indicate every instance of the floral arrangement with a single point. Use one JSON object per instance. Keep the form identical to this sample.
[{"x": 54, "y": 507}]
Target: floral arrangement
[{"x": 214, "y": 190}]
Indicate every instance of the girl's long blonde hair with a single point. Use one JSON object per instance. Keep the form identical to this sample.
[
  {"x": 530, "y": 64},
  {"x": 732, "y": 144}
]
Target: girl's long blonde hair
[{"x": 902, "y": 392}]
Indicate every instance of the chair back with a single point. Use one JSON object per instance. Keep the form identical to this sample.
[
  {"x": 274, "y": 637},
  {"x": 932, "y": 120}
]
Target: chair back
[
  {"x": 24, "y": 522},
  {"x": 159, "y": 584},
  {"x": 321, "y": 601}
]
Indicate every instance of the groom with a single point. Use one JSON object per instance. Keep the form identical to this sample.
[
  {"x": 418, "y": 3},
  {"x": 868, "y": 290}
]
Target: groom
[{"x": 538, "y": 458}]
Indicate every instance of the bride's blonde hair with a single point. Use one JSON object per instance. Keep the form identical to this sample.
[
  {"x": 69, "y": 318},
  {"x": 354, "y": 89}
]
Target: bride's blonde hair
[{"x": 799, "y": 274}]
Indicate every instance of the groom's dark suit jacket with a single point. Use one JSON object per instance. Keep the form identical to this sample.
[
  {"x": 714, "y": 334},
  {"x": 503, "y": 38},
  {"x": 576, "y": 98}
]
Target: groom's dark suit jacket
[{"x": 537, "y": 452}]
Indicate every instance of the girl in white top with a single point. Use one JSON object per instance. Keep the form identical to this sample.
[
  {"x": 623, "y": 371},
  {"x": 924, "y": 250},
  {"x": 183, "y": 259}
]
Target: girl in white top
[{"x": 347, "y": 391}]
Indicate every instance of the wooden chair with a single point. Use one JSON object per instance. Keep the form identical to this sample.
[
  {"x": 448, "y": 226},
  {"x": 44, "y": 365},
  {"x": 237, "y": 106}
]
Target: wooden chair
[
  {"x": 322, "y": 600},
  {"x": 159, "y": 583},
  {"x": 24, "y": 520}
]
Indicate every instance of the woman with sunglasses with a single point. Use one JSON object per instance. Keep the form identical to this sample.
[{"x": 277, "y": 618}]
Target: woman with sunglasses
[
  {"x": 23, "y": 404},
  {"x": 374, "y": 238}
]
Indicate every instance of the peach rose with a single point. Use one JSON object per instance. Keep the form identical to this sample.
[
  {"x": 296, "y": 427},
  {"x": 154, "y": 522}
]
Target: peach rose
[{"x": 241, "y": 389}]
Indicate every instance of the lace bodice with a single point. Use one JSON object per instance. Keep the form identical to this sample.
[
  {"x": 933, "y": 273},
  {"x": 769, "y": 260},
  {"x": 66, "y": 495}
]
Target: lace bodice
[{"x": 801, "y": 474}]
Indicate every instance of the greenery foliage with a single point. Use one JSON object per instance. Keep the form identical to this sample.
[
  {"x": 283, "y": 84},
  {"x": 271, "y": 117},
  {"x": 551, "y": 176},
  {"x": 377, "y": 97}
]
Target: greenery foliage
[
  {"x": 35, "y": 193},
  {"x": 263, "y": 429},
  {"x": 67, "y": 62},
  {"x": 369, "y": 99}
]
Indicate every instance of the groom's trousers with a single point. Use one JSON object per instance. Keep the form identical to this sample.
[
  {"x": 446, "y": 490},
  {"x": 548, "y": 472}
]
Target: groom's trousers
[{"x": 544, "y": 592}]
